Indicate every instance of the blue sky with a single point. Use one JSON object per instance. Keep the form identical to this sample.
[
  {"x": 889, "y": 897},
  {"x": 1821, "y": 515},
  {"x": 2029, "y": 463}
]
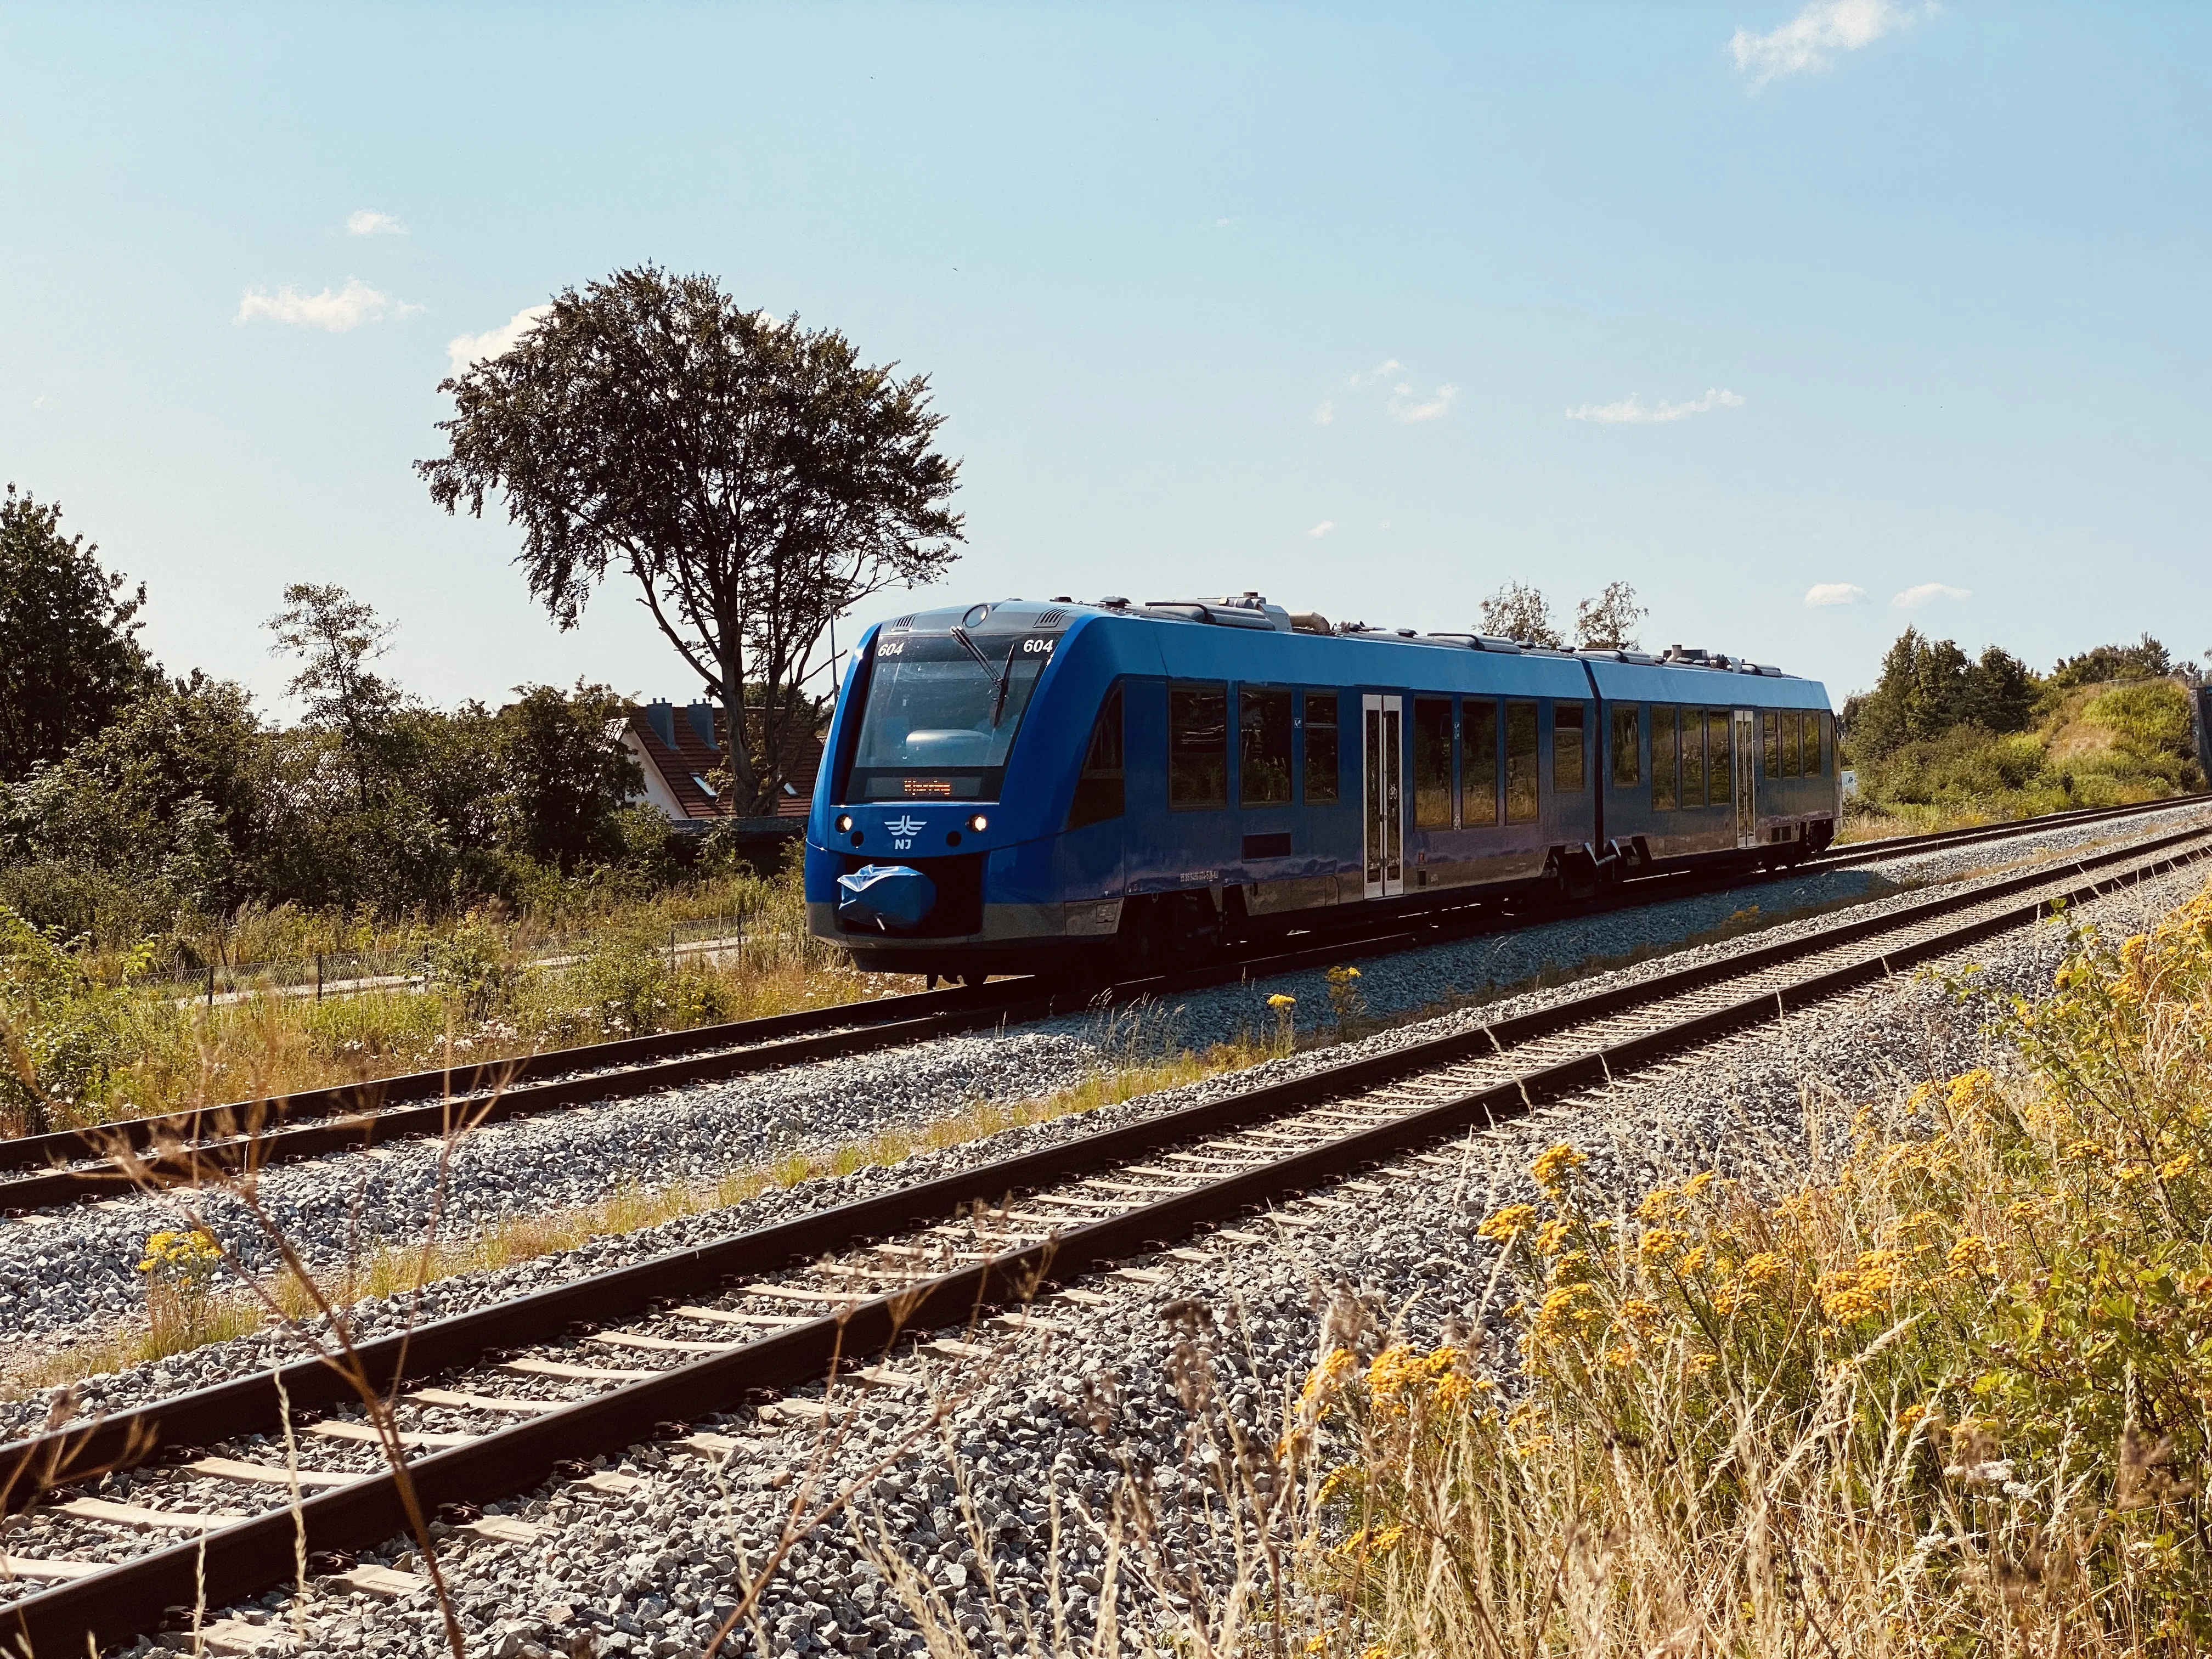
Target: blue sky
[{"x": 1369, "y": 307}]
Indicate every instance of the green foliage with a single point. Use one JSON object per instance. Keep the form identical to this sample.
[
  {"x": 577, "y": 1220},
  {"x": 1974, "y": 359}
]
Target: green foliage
[
  {"x": 2148, "y": 719},
  {"x": 156, "y": 815},
  {"x": 2145, "y": 660},
  {"x": 65, "y": 1037},
  {"x": 1942, "y": 739},
  {"x": 754, "y": 477},
  {"x": 1929, "y": 686},
  {"x": 1518, "y": 611},
  {"x": 564, "y": 779},
  {"x": 69, "y": 653}
]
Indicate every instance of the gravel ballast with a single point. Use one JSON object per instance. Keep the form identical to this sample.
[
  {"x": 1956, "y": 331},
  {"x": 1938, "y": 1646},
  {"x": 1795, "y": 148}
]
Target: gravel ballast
[{"x": 71, "y": 1273}]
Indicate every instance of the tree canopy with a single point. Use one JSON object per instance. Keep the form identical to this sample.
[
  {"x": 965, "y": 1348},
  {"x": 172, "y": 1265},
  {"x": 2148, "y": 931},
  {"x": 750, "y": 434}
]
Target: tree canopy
[
  {"x": 1609, "y": 622},
  {"x": 1519, "y": 611},
  {"x": 1606, "y": 622},
  {"x": 69, "y": 657},
  {"x": 2146, "y": 660},
  {"x": 754, "y": 478}
]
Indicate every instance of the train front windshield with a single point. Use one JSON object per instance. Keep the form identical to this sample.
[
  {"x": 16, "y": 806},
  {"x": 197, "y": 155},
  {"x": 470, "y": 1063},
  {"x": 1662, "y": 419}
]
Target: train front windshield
[{"x": 941, "y": 715}]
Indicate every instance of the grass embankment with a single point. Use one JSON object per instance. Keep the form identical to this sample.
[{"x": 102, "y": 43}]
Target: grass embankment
[
  {"x": 2097, "y": 745},
  {"x": 90, "y": 1037},
  {"x": 1955, "y": 1398}
]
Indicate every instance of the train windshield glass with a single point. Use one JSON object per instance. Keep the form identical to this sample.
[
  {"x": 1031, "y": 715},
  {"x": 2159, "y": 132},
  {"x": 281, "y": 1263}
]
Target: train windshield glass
[{"x": 941, "y": 715}]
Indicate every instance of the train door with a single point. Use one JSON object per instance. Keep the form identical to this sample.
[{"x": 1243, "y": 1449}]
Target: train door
[
  {"x": 1382, "y": 772},
  {"x": 1746, "y": 777}
]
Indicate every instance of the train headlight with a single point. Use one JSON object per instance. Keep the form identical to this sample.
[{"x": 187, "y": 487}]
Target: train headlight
[
  {"x": 844, "y": 822},
  {"x": 979, "y": 824}
]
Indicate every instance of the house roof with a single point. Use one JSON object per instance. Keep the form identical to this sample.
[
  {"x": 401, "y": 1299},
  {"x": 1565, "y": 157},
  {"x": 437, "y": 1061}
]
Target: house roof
[{"x": 686, "y": 764}]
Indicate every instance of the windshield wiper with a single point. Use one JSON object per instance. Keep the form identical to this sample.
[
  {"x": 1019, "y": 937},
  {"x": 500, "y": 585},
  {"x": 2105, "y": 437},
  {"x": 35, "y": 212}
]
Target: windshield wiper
[
  {"x": 997, "y": 679},
  {"x": 1005, "y": 679}
]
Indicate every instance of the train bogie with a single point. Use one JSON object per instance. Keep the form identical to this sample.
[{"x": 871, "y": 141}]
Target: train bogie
[{"x": 1020, "y": 787}]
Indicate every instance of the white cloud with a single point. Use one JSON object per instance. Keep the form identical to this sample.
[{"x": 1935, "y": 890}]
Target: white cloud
[
  {"x": 1913, "y": 597},
  {"x": 1388, "y": 365},
  {"x": 1629, "y": 411},
  {"x": 1820, "y": 593},
  {"x": 1321, "y": 529},
  {"x": 335, "y": 310},
  {"x": 464, "y": 350},
  {"x": 1825, "y": 28},
  {"x": 1325, "y": 411},
  {"x": 1438, "y": 405},
  {"x": 361, "y": 221}
]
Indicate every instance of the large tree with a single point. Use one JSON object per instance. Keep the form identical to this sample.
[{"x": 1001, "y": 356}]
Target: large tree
[
  {"x": 755, "y": 478},
  {"x": 68, "y": 654}
]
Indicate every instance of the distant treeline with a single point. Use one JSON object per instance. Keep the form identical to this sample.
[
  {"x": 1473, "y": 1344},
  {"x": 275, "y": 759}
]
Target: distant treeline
[
  {"x": 1989, "y": 734},
  {"x": 134, "y": 805}
]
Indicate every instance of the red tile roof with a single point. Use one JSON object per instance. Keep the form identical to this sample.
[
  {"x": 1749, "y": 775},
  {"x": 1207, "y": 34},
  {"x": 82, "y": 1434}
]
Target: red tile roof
[{"x": 690, "y": 758}]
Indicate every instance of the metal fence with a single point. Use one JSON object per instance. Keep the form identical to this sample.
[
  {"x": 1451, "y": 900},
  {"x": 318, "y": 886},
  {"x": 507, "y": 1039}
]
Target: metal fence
[{"x": 415, "y": 964}]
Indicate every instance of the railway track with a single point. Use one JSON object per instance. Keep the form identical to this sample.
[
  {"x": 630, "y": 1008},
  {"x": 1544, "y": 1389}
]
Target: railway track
[
  {"x": 78, "y": 1165},
  {"x": 494, "y": 1401}
]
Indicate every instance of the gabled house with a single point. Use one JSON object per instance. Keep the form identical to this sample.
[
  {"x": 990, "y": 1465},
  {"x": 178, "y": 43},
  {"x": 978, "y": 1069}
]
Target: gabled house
[{"x": 678, "y": 750}]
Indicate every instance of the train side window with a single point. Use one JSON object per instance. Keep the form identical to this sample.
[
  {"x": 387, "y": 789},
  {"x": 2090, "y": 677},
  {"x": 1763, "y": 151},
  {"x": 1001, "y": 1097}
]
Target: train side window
[
  {"x": 1477, "y": 766},
  {"x": 1770, "y": 733},
  {"x": 1198, "y": 745},
  {"x": 1819, "y": 724},
  {"x": 1568, "y": 767},
  {"x": 1666, "y": 757},
  {"x": 1099, "y": 788},
  {"x": 1720, "y": 758},
  {"x": 1792, "y": 764},
  {"x": 1263, "y": 745},
  {"x": 1520, "y": 762},
  {"x": 1693, "y": 757},
  {"x": 1627, "y": 744},
  {"x": 1432, "y": 763},
  {"x": 1321, "y": 745}
]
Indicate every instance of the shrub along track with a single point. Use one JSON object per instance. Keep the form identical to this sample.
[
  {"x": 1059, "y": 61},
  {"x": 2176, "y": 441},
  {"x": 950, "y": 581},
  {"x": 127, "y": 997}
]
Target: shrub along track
[
  {"x": 741, "y": 1321},
  {"x": 75, "y": 1165}
]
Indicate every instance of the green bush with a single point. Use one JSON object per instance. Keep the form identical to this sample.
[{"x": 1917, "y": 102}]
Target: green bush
[{"x": 67, "y": 1036}]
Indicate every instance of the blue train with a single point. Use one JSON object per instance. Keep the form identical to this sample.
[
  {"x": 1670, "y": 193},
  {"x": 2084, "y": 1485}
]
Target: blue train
[{"x": 1018, "y": 788}]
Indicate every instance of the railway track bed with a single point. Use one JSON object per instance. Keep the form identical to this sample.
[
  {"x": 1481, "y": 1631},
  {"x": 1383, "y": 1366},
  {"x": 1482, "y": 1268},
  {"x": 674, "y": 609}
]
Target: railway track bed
[
  {"x": 78, "y": 1165},
  {"x": 1161, "y": 1184},
  {"x": 527, "y": 1166}
]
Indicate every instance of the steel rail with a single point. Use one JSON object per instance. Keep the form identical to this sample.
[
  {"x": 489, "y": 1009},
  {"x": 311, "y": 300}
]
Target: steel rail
[
  {"x": 91, "y": 1163},
  {"x": 1936, "y": 841},
  {"x": 241, "y": 1559}
]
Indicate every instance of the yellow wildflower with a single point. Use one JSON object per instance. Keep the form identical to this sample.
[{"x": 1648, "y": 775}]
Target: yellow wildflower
[
  {"x": 1508, "y": 1223},
  {"x": 1659, "y": 1206},
  {"x": 1763, "y": 1267},
  {"x": 1973, "y": 1255},
  {"x": 1556, "y": 1167}
]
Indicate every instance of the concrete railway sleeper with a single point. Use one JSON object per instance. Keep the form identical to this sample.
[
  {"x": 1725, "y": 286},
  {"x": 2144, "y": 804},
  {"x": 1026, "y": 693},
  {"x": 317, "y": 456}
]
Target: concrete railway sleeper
[
  {"x": 72, "y": 1166},
  {"x": 862, "y": 1296}
]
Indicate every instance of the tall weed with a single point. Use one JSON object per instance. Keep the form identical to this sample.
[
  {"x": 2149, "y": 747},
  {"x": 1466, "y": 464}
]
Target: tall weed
[{"x": 1956, "y": 1396}]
